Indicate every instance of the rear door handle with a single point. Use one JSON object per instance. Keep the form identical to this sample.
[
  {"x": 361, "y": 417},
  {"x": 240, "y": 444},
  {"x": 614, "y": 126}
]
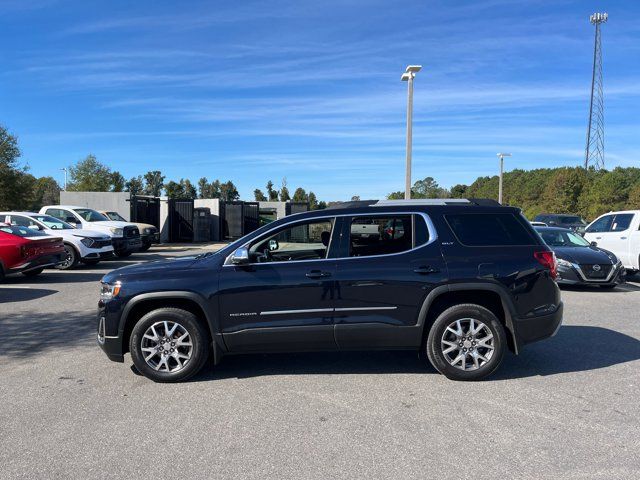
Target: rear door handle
[
  {"x": 598, "y": 238},
  {"x": 317, "y": 274},
  {"x": 425, "y": 270}
]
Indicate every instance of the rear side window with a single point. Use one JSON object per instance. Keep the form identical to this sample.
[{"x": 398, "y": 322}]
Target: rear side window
[
  {"x": 489, "y": 229},
  {"x": 622, "y": 222},
  {"x": 603, "y": 224},
  {"x": 381, "y": 235}
]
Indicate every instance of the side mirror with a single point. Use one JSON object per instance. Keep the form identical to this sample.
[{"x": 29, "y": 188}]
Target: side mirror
[
  {"x": 240, "y": 256},
  {"x": 594, "y": 244},
  {"x": 273, "y": 245}
]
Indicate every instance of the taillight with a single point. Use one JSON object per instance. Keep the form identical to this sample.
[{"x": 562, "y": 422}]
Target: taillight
[
  {"x": 548, "y": 260},
  {"x": 27, "y": 252}
]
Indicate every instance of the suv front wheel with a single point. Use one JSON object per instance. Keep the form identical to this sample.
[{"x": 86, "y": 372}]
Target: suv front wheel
[
  {"x": 169, "y": 345},
  {"x": 466, "y": 342}
]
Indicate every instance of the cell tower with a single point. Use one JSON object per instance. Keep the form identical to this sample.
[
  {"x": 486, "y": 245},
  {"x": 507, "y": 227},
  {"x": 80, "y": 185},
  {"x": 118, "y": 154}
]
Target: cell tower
[{"x": 594, "y": 152}]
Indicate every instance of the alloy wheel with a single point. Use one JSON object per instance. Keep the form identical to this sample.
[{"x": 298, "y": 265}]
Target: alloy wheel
[
  {"x": 467, "y": 344},
  {"x": 166, "y": 346}
]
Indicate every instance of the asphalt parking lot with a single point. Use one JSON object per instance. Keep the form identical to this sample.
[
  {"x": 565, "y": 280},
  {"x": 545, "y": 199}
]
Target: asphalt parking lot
[{"x": 566, "y": 408}]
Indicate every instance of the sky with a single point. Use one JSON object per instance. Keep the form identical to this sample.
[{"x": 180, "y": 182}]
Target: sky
[{"x": 253, "y": 91}]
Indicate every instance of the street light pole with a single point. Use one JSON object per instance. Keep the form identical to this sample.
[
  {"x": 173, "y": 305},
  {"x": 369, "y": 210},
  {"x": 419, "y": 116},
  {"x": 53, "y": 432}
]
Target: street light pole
[
  {"x": 501, "y": 155},
  {"x": 408, "y": 77},
  {"x": 65, "y": 178}
]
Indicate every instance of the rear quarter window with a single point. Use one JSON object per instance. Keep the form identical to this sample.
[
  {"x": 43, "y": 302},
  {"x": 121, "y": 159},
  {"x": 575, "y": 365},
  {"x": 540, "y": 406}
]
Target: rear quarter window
[{"x": 489, "y": 229}]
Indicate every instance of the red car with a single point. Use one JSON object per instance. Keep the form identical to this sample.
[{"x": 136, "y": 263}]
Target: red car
[{"x": 27, "y": 251}]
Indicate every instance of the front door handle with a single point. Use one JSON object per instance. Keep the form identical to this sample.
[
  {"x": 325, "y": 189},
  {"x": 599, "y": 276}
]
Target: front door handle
[
  {"x": 598, "y": 238},
  {"x": 425, "y": 270},
  {"x": 317, "y": 274},
  {"x": 623, "y": 238}
]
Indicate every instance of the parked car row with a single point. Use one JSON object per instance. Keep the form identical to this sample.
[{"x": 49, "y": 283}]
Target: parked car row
[
  {"x": 608, "y": 248},
  {"x": 84, "y": 235}
]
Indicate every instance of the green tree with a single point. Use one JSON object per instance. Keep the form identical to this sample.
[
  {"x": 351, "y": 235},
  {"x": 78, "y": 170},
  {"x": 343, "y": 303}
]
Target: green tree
[
  {"x": 204, "y": 188},
  {"x": 322, "y": 205},
  {"x": 284, "y": 191},
  {"x": 633, "y": 203},
  {"x": 271, "y": 193},
  {"x": 135, "y": 185},
  {"x": 45, "y": 191},
  {"x": 300, "y": 195},
  {"x": 12, "y": 180},
  {"x": 259, "y": 196},
  {"x": 188, "y": 190},
  {"x": 313, "y": 201},
  {"x": 459, "y": 191},
  {"x": 355, "y": 198},
  {"x": 229, "y": 192},
  {"x": 215, "y": 189},
  {"x": 153, "y": 183},
  {"x": 174, "y": 189},
  {"x": 117, "y": 182},
  {"x": 89, "y": 175}
]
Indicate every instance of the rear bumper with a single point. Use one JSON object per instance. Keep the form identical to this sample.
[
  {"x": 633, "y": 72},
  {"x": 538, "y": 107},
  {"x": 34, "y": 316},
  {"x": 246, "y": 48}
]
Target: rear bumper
[
  {"x": 532, "y": 329},
  {"x": 39, "y": 262}
]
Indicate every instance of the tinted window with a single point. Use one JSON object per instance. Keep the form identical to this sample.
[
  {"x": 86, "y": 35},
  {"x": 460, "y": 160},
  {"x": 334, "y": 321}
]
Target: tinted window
[
  {"x": 569, "y": 220},
  {"x": 621, "y": 222},
  {"x": 304, "y": 241},
  {"x": 559, "y": 238},
  {"x": 378, "y": 235},
  {"x": 603, "y": 224},
  {"x": 22, "y": 231},
  {"x": 489, "y": 229},
  {"x": 91, "y": 215},
  {"x": 53, "y": 222},
  {"x": 24, "y": 222}
]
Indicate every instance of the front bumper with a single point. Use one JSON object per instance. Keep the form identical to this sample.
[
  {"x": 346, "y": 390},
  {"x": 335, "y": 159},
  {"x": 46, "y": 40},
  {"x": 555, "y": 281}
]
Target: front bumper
[
  {"x": 127, "y": 244},
  {"x": 108, "y": 333},
  {"x": 574, "y": 276},
  {"x": 539, "y": 327},
  {"x": 98, "y": 255},
  {"x": 148, "y": 239}
]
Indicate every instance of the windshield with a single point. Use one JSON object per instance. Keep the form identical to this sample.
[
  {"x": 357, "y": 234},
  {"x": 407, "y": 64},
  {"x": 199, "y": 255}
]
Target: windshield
[
  {"x": 115, "y": 216},
  {"x": 90, "y": 215},
  {"x": 557, "y": 238},
  {"x": 571, "y": 220},
  {"x": 21, "y": 231},
  {"x": 53, "y": 223}
]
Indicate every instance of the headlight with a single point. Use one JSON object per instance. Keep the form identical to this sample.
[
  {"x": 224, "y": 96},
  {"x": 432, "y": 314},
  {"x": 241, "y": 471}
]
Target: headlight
[
  {"x": 108, "y": 291},
  {"x": 148, "y": 231},
  {"x": 87, "y": 242},
  {"x": 564, "y": 263},
  {"x": 117, "y": 232}
]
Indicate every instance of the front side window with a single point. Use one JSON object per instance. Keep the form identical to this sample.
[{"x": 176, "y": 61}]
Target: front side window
[
  {"x": 621, "y": 222},
  {"x": 489, "y": 229},
  {"x": 91, "y": 215},
  {"x": 603, "y": 224},
  {"x": 115, "y": 216},
  {"x": 380, "y": 235},
  {"x": 304, "y": 241}
]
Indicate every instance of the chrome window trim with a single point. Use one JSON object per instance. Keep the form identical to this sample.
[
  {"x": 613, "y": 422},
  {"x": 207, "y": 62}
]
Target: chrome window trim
[
  {"x": 433, "y": 236},
  {"x": 323, "y": 310},
  {"x": 354, "y": 309}
]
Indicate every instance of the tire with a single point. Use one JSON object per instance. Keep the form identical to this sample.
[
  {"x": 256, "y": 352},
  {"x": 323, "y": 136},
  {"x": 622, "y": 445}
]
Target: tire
[
  {"x": 168, "y": 370},
  {"x": 145, "y": 247},
  {"x": 33, "y": 273},
  {"x": 123, "y": 254},
  {"x": 468, "y": 368},
  {"x": 71, "y": 258}
]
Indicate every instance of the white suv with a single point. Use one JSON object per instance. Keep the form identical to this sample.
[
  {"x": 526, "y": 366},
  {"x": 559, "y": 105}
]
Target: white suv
[
  {"x": 124, "y": 236},
  {"x": 86, "y": 246},
  {"x": 618, "y": 232}
]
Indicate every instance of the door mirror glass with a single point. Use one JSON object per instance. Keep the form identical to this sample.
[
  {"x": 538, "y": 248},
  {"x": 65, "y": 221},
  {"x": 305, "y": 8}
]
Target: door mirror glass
[
  {"x": 273, "y": 245},
  {"x": 240, "y": 256}
]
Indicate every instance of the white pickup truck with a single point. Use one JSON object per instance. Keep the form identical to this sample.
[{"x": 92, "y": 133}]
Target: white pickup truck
[{"x": 618, "y": 232}]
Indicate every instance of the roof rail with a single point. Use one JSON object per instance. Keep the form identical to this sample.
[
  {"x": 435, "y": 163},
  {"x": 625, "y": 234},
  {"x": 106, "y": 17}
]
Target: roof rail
[{"x": 485, "y": 202}]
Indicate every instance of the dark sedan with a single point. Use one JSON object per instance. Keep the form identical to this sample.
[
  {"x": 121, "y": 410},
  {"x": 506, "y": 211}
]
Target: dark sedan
[{"x": 580, "y": 262}]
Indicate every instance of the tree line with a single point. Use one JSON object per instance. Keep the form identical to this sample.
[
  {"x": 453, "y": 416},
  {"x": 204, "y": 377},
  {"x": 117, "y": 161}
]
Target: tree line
[{"x": 585, "y": 192}]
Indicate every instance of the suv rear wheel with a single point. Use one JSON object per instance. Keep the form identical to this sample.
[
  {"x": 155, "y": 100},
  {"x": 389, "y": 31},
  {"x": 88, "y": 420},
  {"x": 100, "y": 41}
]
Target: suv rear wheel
[
  {"x": 168, "y": 345},
  {"x": 466, "y": 342}
]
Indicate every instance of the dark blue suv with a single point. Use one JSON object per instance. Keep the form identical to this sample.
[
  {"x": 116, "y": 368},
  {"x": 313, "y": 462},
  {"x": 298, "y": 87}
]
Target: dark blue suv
[{"x": 458, "y": 280}]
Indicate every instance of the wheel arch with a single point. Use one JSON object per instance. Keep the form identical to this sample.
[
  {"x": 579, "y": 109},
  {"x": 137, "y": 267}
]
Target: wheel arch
[
  {"x": 141, "y": 304},
  {"x": 487, "y": 295}
]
